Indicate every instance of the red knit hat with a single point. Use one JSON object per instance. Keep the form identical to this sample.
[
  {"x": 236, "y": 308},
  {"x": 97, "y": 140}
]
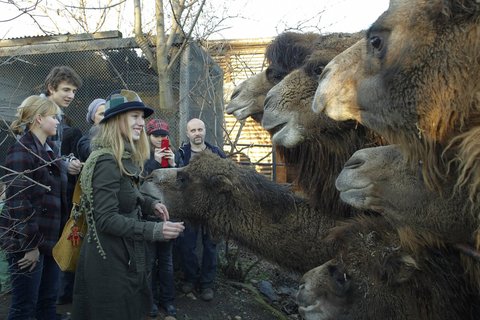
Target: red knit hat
[{"x": 157, "y": 127}]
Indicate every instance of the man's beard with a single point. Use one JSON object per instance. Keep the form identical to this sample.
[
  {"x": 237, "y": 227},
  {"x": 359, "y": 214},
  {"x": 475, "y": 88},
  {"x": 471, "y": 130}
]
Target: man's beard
[{"x": 198, "y": 141}]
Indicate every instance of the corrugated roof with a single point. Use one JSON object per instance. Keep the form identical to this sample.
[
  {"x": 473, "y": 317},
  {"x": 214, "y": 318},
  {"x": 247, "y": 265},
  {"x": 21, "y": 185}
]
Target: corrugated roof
[{"x": 58, "y": 38}]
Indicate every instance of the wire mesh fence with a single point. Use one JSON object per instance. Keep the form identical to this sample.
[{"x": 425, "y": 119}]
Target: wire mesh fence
[
  {"x": 196, "y": 81},
  {"x": 109, "y": 62}
]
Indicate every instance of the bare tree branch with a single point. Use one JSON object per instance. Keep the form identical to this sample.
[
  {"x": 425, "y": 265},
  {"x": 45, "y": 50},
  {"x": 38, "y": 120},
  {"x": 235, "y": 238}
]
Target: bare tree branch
[
  {"x": 172, "y": 61},
  {"x": 96, "y": 8}
]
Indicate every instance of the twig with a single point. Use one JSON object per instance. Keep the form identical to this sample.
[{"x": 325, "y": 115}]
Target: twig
[{"x": 258, "y": 297}]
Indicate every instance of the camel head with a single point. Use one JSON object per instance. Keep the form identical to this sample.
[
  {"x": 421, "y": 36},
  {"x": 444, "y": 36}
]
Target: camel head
[
  {"x": 210, "y": 184},
  {"x": 191, "y": 191},
  {"x": 288, "y": 115},
  {"x": 371, "y": 276},
  {"x": 287, "y": 52},
  {"x": 414, "y": 79},
  {"x": 380, "y": 179},
  {"x": 248, "y": 97}
]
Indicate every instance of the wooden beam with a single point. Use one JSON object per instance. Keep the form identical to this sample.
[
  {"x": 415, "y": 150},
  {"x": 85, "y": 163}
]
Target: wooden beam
[
  {"x": 59, "y": 38},
  {"x": 91, "y": 45}
]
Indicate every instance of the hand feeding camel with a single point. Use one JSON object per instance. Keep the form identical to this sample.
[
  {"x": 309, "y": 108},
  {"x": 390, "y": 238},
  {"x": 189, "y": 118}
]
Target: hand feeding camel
[
  {"x": 287, "y": 52},
  {"x": 415, "y": 80},
  {"x": 371, "y": 276}
]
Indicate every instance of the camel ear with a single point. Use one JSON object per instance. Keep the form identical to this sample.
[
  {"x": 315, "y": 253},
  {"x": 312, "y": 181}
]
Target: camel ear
[
  {"x": 399, "y": 269},
  {"x": 220, "y": 183}
]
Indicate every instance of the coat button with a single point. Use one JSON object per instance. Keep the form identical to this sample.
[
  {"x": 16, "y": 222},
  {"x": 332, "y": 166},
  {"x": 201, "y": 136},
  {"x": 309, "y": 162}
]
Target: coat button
[{"x": 50, "y": 172}]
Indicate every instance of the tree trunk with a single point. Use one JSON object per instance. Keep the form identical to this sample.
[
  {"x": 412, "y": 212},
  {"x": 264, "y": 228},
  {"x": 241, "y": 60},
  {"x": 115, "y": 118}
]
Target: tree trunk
[
  {"x": 140, "y": 38},
  {"x": 165, "y": 96}
]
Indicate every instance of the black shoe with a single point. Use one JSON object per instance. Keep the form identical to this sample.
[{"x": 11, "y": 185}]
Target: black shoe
[
  {"x": 170, "y": 310},
  {"x": 207, "y": 294},
  {"x": 154, "y": 311},
  {"x": 64, "y": 300}
]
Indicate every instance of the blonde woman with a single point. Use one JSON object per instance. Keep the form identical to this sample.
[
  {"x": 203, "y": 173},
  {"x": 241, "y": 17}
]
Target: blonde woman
[
  {"x": 36, "y": 210},
  {"x": 111, "y": 277}
]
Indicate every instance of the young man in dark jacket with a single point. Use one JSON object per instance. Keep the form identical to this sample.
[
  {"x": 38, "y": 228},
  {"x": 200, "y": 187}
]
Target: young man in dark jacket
[{"x": 195, "y": 275}]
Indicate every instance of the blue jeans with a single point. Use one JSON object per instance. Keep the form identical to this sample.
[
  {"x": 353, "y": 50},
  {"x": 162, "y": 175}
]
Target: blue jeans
[
  {"x": 66, "y": 285},
  {"x": 34, "y": 293},
  {"x": 163, "y": 283},
  {"x": 203, "y": 275}
]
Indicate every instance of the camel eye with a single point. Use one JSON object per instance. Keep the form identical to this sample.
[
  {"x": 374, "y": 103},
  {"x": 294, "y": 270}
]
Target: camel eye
[
  {"x": 318, "y": 70},
  {"x": 340, "y": 279},
  {"x": 182, "y": 178},
  {"x": 376, "y": 43}
]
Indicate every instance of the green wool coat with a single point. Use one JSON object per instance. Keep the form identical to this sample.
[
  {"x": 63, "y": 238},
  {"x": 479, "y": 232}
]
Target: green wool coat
[{"x": 114, "y": 286}]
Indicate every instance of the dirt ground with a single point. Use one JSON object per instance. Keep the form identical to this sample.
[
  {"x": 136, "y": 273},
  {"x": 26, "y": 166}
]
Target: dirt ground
[{"x": 233, "y": 299}]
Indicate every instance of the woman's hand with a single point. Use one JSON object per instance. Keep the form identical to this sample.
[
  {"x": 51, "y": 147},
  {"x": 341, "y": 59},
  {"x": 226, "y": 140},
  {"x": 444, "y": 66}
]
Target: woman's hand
[
  {"x": 30, "y": 259},
  {"x": 74, "y": 167},
  {"x": 161, "y": 211},
  {"x": 171, "y": 230},
  {"x": 161, "y": 153}
]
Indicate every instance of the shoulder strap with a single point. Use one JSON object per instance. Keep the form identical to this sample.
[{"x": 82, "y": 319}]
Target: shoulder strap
[{"x": 77, "y": 193}]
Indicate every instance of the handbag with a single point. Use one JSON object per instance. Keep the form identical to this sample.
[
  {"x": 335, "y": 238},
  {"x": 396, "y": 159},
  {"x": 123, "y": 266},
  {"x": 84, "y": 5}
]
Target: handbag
[{"x": 67, "y": 249}]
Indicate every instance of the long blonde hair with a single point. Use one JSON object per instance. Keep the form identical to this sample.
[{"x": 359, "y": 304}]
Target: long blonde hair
[
  {"x": 30, "y": 108},
  {"x": 114, "y": 133}
]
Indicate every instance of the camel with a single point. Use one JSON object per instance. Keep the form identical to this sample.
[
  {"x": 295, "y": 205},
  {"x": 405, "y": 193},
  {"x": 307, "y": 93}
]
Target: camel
[
  {"x": 273, "y": 222},
  {"x": 381, "y": 180},
  {"x": 372, "y": 277},
  {"x": 236, "y": 201},
  {"x": 414, "y": 79},
  {"x": 287, "y": 52}
]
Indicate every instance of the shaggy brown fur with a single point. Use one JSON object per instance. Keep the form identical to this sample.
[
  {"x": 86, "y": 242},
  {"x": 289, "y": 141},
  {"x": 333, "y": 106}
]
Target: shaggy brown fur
[
  {"x": 371, "y": 277},
  {"x": 287, "y": 52},
  {"x": 267, "y": 218},
  {"x": 238, "y": 202},
  {"x": 418, "y": 85},
  {"x": 315, "y": 145},
  {"x": 381, "y": 180}
]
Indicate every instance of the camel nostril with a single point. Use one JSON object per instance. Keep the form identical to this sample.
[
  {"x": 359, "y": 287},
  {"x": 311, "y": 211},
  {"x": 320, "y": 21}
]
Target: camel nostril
[
  {"x": 235, "y": 94},
  {"x": 353, "y": 163},
  {"x": 324, "y": 74},
  {"x": 266, "y": 103}
]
